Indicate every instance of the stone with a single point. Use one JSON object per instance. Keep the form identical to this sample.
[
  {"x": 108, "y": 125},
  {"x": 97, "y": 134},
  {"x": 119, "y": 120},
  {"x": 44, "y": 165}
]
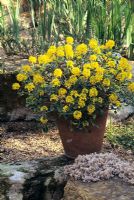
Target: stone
[
  {"x": 32, "y": 179},
  {"x": 12, "y": 106},
  {"x": 113, "y": 189},
  {"x": 123, "y": 113}
]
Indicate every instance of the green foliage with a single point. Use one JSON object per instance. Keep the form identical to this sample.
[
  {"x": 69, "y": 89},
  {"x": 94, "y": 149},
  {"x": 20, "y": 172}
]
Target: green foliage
[
  {"x": 81, "y": 19},
  {"x": 121, "y": 134}
]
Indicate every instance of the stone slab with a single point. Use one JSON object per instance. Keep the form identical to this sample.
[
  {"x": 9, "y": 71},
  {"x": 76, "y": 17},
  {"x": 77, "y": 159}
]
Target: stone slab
[{"x": 113, "y": 189}]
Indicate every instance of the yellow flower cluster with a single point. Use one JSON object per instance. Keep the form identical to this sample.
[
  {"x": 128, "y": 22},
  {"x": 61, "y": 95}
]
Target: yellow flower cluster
[
  {"x": 16, "y": 86},
  {"x": 44, "y": 59},
  {"x": 55, "y": 82},
  {"x": 75, "y": 71},
  {"x": 62, "y": 91},
  {"x": 21, "y": 77},
  {"x": 65, "y": 108},
  {"x": 58, "y": 72},
  {"x": 69, "y": 51},
  {"x": 77, "y": 81},
  {"x": 77, "y": 114},
  {"x": 93, "y": 43},
  {"x": 43, "y": 120},
  {"x": 90, "y": 109},
  {"x": 81, "y": 49},
  {"x": 93, "y": 92},
  {"x": 110, "y": 44},
  {"x": 32, "y": 59},
  {"x": 69, "y": 40},
  {"x": 131, "y": 87},
  {"x": 38, "y": 79},
  {"x": 26, "y": 68},
  {"x": 43, "y": 108},
  {"x": 30, "y": 87}
]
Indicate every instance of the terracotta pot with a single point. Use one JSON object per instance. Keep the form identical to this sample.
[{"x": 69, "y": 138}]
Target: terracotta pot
[{"x": 79, "y": 142}]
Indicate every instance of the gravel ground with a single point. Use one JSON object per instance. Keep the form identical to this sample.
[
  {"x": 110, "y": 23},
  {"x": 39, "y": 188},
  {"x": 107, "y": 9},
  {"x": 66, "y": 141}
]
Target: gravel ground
[
  {"x": 21, "y": 141},
  {"x": 25, "y": 141}
]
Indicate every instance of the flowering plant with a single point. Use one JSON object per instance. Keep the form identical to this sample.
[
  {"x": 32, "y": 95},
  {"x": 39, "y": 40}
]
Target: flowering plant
[{"x": 76, "y": 81}]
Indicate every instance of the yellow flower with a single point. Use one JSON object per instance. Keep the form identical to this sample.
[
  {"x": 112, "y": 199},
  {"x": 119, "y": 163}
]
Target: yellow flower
[
  {"x": 92, "y": 80},
  {"x": 44, "y": 59},
  {"x": 124, "y": 65},
  {"x": 104, "y": 57},
  {"x": 81, "y": 103},
  {"x": 100, "y": 70},
  {"x": 87, "y": 66},
  {"x": 83, "y": 96},
  {"x": 51, "y": 51},
  {"x": 58, "y": 72},
  {"x": 77, "y": 114},
  {"x": 98, "y": 77},
  {"x": 38, "y": 79},
  {"x": 86, "y": 73},
  {"x": 113, "y": 98},
  {"x": 129, "y": 75},
  {"x": 106, "y": 82},
  {"x": 62, "y": 91},
  {"x": 69, "y": 51},
  {"x": 68, "y": 84},
  {"x": 74, "y": 93},
  {"x": 16, "y": 86},
  {"x": 81, "y": 49},
  {"x": 131, "y": 87},
  {"x": 30, "y": 87},
  {"x": 65, "y": 108},
  {"x": 94, "y": 65},
  {"x": 84, "y": 91},
  {"x": 90, "y": 109},
  {"x": 93, "y": 92},
  {"x": 60, "y": 48},
  {"x": 113, "y": 71},
  {"x": 55, "y": 82},
  {"x": 26, "y": 68},
  {"x": 60, "y": 53},
  {"x": 93, "y": 57},
  {"x": 70, "y": 63},
  {"x": 110, "y": 44},
  {"x": 111, "y": 63},
  {"x": 53, "y": 97},
  {"x": 44, "y": 108},
  {"x": 123, "y": 62},
  {"x": 117, "y": 103},
  {"x": 43, "y": 120},
  {"x": 93, "y": 43},
  {"x": 69, "y": 40},
  {"x": 32, "y": 59},
  {"x": 97, "y": 50},
  {"x": 102, "y": 46},
  {"x": 69, "y": 99},
  {"x": 21, "y": 77},
  {"x": 75, "y": 71},
  {"x": 121, "y": 76}
]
